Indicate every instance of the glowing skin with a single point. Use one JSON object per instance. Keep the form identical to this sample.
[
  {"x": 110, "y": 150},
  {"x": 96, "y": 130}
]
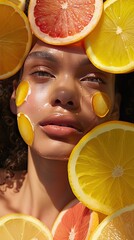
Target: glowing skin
[
  {"x": 22, "y": 92},
  {"x": 101, "y": 104},
  {"x": 62, "y": 82}
]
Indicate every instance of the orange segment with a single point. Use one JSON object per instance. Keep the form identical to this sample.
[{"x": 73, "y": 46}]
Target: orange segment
[
  {"x": 101, "y": 104},
  {"x": 23, "y": 227},
  {"x": 15, "y": 38},
  {"x": 26, "y": 128},
  {"x": 22, "y": 92},
  {"x": 110, "y": 46},
  {"x": 101, "y": 167},
  {"x": 63, "y": 22},
  {"x": 19, "y": 3},
  {"x": 75, "y": 222},
  {"x": 120, "y": 225}
]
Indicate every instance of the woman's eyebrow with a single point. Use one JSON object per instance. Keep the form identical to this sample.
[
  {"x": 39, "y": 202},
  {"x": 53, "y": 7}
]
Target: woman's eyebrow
[{"x": 42, "y": 55}]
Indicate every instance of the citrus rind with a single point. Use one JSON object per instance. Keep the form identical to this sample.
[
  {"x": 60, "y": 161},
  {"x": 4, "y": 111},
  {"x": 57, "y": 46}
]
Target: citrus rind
[{"x": 72, "y": 38}]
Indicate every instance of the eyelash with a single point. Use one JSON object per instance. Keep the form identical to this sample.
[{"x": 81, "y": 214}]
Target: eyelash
[
  {"x": 94, "y": 79},
  {"x": 44, "y": 74}
]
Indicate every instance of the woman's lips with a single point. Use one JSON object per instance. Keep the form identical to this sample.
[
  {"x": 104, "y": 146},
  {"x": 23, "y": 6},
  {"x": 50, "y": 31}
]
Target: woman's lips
[{"x": 61, "y": 127}]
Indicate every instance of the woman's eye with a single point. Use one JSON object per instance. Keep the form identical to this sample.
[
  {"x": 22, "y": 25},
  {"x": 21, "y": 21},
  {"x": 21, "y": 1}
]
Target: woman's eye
[
  {"x": 42, "y": 74},
  {"x": 92, "y": 79}
]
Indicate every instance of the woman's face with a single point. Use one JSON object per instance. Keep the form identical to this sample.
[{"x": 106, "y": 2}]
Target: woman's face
[{"x": 60, "y": 103}]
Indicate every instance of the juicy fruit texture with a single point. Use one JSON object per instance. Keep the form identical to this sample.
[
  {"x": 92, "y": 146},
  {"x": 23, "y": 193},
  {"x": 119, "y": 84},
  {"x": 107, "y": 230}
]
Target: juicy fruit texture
[
  {"x": 23, "y": 227},
  {"x": 110, "y": 46},
  {"x": 26, "y": 128},
  {"x": 75, "y": 222},
  {"x": 64, "y": 22},
  {"x": 119, "y": 226},
  {"x": 101, "y": 167},
  {"x": 15, "y": 39}
]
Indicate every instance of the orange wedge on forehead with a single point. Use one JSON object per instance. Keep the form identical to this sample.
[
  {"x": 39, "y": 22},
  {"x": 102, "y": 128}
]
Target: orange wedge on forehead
[
  {"x": 61, "y": 22},
  {"x": 15, "y": 38}
]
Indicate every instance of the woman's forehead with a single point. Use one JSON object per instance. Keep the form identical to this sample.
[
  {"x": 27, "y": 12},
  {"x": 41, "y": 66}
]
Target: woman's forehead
[{"x": 72, "y": 48}]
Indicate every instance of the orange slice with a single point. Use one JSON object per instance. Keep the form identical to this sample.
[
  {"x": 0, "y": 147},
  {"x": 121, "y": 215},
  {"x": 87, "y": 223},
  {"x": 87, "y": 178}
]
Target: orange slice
[
  {"x": 15, "y": 38},
  {"x": 19, "y": 3},
  {"x": 110, "y": 46},
  {"x": 23, "y": 227},
  {"x": 120, "y": 225},
  {"x": 75, "y": 222},
  {"x": 101, "y": 167},
  {"x": 63, "y": 22}
]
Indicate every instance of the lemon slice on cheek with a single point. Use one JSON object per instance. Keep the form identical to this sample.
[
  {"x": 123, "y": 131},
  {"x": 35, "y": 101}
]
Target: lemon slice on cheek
[
  {"x": 26, "y": 128},
  {"x": 22, "y": 92},
  {"x": 101, "y": 104}
]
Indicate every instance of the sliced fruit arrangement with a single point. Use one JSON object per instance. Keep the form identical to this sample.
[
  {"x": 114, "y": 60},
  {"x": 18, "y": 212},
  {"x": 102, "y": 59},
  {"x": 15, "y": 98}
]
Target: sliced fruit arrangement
[
  {"x": 23, "y": 227},
  {"x": 75, "y": 222},
  {"x": 101, "y": 167},
  {"x": 120, "y": 225},
  {"x": 64, "y": 22},
  {"x": 15, "y": 38},
  {"x": 110, "y": 46}
]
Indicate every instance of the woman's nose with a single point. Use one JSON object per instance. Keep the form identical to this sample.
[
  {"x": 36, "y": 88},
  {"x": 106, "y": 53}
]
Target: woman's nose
[{"x": 65, "y": 95}]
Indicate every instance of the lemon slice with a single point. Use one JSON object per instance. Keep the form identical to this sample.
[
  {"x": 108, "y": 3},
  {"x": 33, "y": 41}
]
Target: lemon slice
[
  {"x": 120, "y": 225},
  {"x": 23, "y": 227},
  {"x": 110, "y": 46},
  {"x": 101, "y": 167}
]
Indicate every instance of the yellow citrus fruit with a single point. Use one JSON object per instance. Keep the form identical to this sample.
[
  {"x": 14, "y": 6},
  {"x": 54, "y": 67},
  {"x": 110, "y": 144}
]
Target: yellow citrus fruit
[
  {"x": 110, "y": 46},
  {"x": 19, "y": 3},
  {"x": 75, "y": 221},
  {"x": 22, "y": 92},
  {"x": 15, "y": 38},
  {"x": 120, "y": 225},
  {"x": 63, "y": 22},
  {"x": 101, "y": 167},
  {"x": 26, "y": 128},
  {"x": 23, "y": 227}
]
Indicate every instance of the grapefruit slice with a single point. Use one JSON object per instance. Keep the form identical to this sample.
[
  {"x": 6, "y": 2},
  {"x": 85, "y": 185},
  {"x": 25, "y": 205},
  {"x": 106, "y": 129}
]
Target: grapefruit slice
[
  {"x": 120, "y": 225},
  {"x": 101, "y": 167},
  {"x": 75, "y": 222},
  {"x": 15, "y": 38},
  {"x": 23, "y": 227},
  {"x": 110, "y": 46},
  {"x": 61, "y": 22}
]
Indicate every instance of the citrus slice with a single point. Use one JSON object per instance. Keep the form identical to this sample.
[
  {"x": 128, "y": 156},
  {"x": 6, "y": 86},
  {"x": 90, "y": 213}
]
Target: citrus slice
[
  {"x": 26, "y": 128},
  {"x": 22, "y": 92},
  {"x": 23, "y": 227},
  {"x": 101, "y": 167},
  {"x": 75, "y": 222},
  {"x": 15, "y": 38},
  {"x": 110, "y": 46},
  {"x": 120, "y": 225},
  {"x": 19, "y": 3},
  {"x": 63, "y": 22}
]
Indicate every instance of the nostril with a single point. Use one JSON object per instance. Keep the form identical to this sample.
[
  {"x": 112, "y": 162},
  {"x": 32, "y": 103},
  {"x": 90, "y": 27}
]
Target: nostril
[
  {"x": 70, "y": 103},
  {"x": 57, "y": 101}
]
